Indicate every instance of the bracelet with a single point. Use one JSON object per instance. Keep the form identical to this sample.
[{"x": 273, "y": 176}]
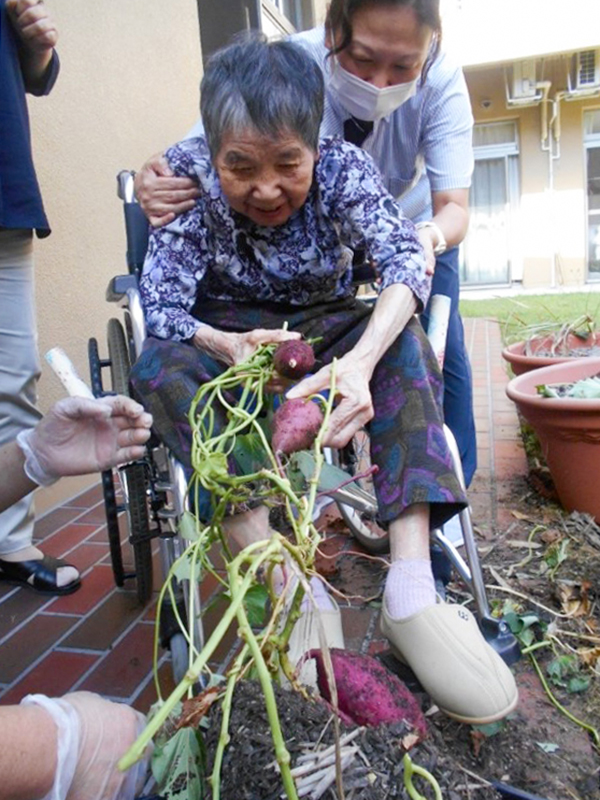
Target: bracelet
[{"x": 441, "y": 245}]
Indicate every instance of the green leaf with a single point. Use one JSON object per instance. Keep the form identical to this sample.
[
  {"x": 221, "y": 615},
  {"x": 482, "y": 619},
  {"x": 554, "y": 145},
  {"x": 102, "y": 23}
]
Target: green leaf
[
  {"x": 187, "y": 527},
  {"x": 491, "y": 728},
  {"x": 183, "y": 569},
  {"x": 548, "y": 747},
  {"x": 250, "y": 454},
  {"x": 178, "y": 766},
  {"x": 255, "y": 603},
  {"x": 578, "y": 683},
  {"x": 331, "y": 477}
]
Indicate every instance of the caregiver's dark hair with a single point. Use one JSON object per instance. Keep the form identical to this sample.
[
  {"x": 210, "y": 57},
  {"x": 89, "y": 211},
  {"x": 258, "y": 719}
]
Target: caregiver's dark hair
[
  {"x": 340, "y": 14},
  {"x": 271, "y": 86}
]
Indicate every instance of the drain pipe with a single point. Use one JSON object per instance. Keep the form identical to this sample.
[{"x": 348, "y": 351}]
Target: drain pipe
[
  {"x": 554, "y": 133},
  {"x": 547, "y": 140}
]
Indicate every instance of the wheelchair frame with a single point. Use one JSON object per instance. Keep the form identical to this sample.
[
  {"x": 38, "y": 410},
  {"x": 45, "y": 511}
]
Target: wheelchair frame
[{"x": 164, "y": 494}]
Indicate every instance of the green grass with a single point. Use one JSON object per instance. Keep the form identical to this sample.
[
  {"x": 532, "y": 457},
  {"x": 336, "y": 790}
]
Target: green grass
[{"x": 517, "y": 314}]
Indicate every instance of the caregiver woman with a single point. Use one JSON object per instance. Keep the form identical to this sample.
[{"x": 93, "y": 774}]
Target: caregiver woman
[{"x": 390, "y": 90}]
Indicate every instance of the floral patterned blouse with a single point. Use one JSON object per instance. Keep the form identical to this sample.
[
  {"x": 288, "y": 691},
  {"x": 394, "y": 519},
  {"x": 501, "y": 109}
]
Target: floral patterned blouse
[{"x": 212, "y": 252}]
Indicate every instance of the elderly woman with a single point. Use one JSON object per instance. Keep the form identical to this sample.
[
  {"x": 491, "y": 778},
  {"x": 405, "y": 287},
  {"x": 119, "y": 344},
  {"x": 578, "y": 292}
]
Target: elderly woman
[{"x": 266, "y": 254}]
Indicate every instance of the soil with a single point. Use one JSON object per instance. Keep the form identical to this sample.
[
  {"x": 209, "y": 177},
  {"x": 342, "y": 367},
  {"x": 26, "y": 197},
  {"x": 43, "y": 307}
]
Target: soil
[{"x": 538, "y": 749}]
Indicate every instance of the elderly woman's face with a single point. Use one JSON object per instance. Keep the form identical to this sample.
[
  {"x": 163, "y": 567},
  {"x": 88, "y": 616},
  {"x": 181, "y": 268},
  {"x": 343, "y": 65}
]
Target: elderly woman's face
[
  {"x": 389, "y": 45},
  {"x": 265, "y": 179}
]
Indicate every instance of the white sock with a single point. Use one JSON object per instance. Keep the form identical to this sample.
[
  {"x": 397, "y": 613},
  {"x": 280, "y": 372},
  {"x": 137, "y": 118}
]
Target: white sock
[{"x": 409, "y": 587}]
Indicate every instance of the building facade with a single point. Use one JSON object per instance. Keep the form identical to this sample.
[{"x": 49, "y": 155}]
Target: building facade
[{"x": 533, "y": 72}]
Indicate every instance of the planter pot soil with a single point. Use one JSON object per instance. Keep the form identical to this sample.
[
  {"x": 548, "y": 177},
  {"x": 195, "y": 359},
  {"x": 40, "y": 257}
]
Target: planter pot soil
[
  {"x": 534, "y": 354},
  {"x": 568, "y": 430}
]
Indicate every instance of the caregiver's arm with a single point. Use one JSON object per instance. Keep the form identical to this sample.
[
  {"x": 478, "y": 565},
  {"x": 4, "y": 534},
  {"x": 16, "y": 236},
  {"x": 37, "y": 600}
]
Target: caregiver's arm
[
  {"x": 69, "y": 747},
  {"x": 77, "y": 436}
]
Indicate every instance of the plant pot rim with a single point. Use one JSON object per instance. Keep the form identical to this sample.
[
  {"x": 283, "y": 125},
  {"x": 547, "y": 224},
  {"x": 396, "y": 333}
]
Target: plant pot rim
[
  {"x": 514, "y": 353},
  {"x": 522, "y": 389}
]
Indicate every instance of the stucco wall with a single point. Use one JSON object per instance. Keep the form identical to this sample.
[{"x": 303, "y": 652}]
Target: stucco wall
[
  {"x": 128, "y": 87},
  {"x": 551, "y": 225}
]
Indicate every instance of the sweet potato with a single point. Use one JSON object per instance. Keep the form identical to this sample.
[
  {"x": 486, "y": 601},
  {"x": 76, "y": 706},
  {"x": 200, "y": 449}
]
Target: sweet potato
[
  {"x": 368, "y": 693},
  {"x": 293, "y": 358},
  {"x": 296, "y": 424}
]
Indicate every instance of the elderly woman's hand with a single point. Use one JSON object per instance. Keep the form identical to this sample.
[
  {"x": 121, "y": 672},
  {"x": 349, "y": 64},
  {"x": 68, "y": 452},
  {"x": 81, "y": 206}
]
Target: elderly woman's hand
[
  {"x": 354, "y": 406},
  {"x": 234, "y": 348}
]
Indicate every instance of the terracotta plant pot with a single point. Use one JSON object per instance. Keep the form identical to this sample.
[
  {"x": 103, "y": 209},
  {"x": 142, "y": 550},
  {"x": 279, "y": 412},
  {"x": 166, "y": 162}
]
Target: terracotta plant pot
[
  {"x": 568, "y": 430},
  {"x": 521, "y": 361}
]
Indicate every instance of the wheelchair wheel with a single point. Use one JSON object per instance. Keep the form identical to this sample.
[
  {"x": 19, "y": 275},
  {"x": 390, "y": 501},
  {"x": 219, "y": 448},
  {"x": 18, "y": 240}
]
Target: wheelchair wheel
[
  {"x": 133, "y": 476},
  {"x": 111, "y": 507},
  {"x": 355, "y": 459}
]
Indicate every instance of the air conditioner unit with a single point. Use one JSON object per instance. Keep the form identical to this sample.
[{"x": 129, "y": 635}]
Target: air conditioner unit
[
  {"x": 524, "y": 80},
  {"x": 588, "y": 69}
]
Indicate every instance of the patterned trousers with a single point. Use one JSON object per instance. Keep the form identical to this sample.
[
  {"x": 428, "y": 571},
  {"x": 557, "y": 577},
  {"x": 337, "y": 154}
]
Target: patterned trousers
[{"x": 408, "y": 444}]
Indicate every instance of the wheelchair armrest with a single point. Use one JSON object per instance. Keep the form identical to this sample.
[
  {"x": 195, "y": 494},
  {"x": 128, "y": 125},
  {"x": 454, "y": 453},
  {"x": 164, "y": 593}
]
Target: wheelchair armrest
[{"x": 119, "y": 286}]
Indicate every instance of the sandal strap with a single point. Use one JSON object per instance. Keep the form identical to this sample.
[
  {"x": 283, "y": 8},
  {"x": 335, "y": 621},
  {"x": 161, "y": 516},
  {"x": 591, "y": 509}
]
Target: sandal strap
[{"x": 41, "y": 574}]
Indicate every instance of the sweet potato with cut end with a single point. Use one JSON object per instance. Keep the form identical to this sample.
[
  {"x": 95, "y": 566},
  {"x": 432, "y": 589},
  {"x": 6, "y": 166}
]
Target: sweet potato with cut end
[
  {"x": 296, "y": 424},
  {"x": 293, "y": 358},
  {"x": 368, "y": 693}
]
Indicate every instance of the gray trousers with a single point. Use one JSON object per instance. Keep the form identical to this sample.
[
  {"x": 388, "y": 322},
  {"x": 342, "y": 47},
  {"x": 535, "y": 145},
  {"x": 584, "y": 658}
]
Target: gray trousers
[{"x": 19, "y": 368}]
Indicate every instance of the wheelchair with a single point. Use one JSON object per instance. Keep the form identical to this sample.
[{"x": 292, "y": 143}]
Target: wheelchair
[{"x": 153, "y": 490}]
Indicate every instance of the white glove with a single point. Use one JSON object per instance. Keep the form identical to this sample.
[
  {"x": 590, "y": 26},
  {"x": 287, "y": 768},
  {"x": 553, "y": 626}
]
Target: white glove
[
  {"x": 78, "y": 436},
  {"x": 92, "y": 735}
]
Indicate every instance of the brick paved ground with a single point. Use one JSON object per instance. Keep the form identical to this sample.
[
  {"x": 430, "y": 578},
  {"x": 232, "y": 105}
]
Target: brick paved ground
[{"x": 101, "y": 639}]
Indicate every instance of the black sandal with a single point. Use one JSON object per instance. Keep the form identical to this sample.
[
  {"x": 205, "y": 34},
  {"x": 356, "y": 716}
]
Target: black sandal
[{"x": 39, "y": 575}]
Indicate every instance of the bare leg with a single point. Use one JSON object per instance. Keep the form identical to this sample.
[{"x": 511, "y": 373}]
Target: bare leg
[
  {"x": 410, "y": 586},
  {"x": 409, "y": 533}
]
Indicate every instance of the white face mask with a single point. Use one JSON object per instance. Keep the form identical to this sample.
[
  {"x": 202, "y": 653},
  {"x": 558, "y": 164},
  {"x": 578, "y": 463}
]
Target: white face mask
[{"x": 362, "y": 99}]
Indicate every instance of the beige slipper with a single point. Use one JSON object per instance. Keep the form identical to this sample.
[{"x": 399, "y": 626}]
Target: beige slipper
[
  {"x": 306, "y": 636},
  {"x": 459, "y": 670}
]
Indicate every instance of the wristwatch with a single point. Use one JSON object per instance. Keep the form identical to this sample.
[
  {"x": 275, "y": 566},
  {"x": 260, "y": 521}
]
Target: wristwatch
[{"x": 441, "y": 245}]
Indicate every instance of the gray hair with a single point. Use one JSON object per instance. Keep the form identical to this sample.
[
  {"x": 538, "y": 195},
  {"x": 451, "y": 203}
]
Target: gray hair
[{"x": 273, "y": 87}]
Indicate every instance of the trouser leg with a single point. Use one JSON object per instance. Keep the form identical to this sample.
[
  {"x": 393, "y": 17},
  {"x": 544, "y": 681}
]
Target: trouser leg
[
  {"x": 458, "y": 381},
  {"x": 19, "y": 369}
]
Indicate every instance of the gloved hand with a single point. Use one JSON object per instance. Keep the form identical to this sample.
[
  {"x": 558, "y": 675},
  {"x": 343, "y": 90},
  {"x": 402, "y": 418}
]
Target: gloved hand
[
  {"x": 93, "y": 734},
  {"x": 78, "y": 436}
]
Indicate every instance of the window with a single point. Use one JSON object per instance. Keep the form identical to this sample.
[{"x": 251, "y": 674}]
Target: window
[
  {"x": 487, "y": 254},
  {"x": 591, "y": 140},
  {"x": 285, "y": 16}
]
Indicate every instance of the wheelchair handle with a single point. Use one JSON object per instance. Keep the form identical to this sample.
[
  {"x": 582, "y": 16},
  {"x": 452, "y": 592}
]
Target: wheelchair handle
[{"x": 125, "y": 187}]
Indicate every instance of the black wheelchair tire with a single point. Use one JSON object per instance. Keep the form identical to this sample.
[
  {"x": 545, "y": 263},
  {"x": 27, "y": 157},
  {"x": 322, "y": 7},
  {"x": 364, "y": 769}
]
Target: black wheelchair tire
[
  {"x": 134, "y": 475},
  {"x": 111, "y": 507},
  {"x": 355, "y": 459}
]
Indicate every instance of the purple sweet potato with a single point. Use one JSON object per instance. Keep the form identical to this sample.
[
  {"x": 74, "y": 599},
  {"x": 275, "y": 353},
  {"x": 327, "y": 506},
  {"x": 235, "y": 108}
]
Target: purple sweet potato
[
  {"x": 368, "y": 693},
  {"x": 293, "y": 358},
  {"x": 296, "y": 424}
]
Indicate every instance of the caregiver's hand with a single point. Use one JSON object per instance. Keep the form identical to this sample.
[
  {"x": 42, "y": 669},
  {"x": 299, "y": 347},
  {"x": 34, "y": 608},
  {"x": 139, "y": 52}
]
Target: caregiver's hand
[
  {"x": 161, "y": 195},
  {"x": 354, "y": 405}
]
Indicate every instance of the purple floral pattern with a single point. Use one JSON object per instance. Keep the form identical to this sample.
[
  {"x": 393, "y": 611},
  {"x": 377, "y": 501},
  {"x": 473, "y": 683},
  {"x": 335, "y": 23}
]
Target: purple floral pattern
[{"x": 214, "y": 253}]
